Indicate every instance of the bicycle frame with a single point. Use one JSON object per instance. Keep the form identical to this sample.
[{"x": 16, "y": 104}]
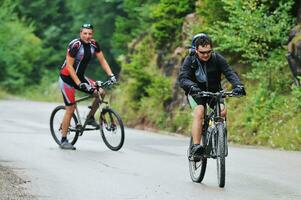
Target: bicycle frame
[
  {"x": 100, "y": 100},
  {"x": 214, "y": 140},
  {"x": 211, "y": 137},
  {"x": 110, "y": 123}
]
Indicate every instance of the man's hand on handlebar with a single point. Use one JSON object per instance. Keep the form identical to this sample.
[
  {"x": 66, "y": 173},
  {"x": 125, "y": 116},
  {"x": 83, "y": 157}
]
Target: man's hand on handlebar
[
  {"x": 239, "y": 90},
  {"x": 86, "y": 87},
  {"x": 113, "y": 79},
  {"x": 194, "y": 90}
]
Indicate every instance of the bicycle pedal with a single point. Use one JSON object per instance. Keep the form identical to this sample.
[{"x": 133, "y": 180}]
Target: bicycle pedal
[
  {"x": 190, "y": 158},
  {"x": 195, "y": 158}
]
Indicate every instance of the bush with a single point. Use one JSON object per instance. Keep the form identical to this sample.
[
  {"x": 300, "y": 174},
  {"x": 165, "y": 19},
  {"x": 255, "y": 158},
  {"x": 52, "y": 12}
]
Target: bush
[
  {"x": 168, "y": 17},
  {"x": 21, "y": 54}
]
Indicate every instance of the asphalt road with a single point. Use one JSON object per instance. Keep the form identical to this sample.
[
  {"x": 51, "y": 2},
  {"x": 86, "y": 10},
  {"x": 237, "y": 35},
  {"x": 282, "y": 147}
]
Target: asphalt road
[{"x": 149, "y": 166}]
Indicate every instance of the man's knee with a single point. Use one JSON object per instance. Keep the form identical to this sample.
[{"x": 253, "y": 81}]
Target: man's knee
[
  {"x": 223, "y": 111},
  {"x": 199, "y": 112},
  {"x": 70, "y": 109}
]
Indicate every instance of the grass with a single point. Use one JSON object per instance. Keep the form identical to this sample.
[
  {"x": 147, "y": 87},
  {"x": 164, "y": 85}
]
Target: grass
[
  {"x": 51, "y": 93},
  {"x": 5, "y": 95},
  {"x": 272, "y": 121}
]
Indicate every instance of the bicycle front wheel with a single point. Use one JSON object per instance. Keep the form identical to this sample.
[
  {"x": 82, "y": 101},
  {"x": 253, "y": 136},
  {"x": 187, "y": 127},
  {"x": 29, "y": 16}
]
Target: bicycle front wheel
[
  {"x": 56, "y": 119},
  {"x": 220, "y": 159},
  {"x": 112, "y": 129},
  {"x": 197, "y": 169}
]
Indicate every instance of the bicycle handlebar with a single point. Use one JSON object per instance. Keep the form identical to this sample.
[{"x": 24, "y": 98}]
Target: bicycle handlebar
[
  {"x": 222, "y": 94},
  {"x": 100, "y": 84}
]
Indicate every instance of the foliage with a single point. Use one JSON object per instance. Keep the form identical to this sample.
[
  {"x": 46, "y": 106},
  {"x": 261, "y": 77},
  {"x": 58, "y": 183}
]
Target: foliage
[
  {"x": 297, "y": 97},
  {"x": 253, "y": 30},
  {"x": 51, "y": 25},
  {"x": 20, "y": 54},
  {"x": 132, "y": 21},
  {"x": 146, "y": 88},
  {"x": 47, "y": 90},
  {"x": 265, "y": 118},
  {"x": 3, "y": 93},
  {"x": 168, "y": 17},
  {"x": 211, "y": 12}
]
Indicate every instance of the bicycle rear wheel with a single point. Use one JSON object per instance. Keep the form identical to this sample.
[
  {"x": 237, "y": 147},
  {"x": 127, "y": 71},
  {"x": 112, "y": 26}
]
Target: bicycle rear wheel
[
  {"x": 112, "y": 129},
  {"x": 197, "y": 169},
  {"x": 56, "y": 119},
  {"x": 220, "y": 159}
]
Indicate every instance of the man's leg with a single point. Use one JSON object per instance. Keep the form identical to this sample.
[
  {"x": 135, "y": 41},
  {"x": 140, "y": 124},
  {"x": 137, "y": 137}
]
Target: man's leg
[
  {"x": 224, "y": 115},
  {"x": 90, "y": 117},
  {"x": 65, "y": 125},
  {"x": 68, "y": 93},
  {"x": 95, "y": 104},
  {"x": 94, "y": 107},
  {"x": 197, "y": 126},
  {"x": 67, "y": 119},
  {"x": 197, "y": 123},
  {"x": 223, "y": 111}
]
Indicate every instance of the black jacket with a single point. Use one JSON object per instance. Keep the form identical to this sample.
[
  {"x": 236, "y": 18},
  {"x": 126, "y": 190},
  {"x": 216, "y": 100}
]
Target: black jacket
[{"x": 214, "y": 67}]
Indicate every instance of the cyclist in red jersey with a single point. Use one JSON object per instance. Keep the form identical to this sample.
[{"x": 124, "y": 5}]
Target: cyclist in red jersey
[{"x": 79, "y": 53}]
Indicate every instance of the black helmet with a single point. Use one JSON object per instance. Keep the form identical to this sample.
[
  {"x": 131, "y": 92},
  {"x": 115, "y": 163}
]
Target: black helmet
[
  {"x": 200, "y": 36},
  {"x": 196, "y": 37}
]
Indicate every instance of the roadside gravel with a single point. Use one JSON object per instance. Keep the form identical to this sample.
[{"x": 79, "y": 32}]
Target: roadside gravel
[{"x": 12, "y": 187}]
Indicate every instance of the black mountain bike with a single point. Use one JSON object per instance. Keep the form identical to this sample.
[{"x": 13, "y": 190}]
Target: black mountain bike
[
  {"x": 214, "y": 141},
  {"x": 111, "y": 125}
]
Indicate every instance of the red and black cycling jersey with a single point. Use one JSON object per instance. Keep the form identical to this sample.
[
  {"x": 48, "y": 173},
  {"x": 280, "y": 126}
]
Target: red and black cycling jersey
[{"x": 82, "y": 53}]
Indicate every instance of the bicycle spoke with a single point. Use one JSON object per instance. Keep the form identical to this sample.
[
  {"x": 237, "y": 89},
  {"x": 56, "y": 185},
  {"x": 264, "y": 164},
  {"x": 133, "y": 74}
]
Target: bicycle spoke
[
  {"x": 56, "y": 125},
  {"x": 112, "y": 129}
]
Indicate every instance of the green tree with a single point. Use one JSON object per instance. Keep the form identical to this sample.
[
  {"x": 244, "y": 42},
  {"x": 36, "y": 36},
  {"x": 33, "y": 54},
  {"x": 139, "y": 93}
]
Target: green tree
[
  {"x": 20, "y": 50},
  {"x": 256, "y": 32},
  {"x": 168, "y": 17},
  {"x": 132, "y": 20},
  {"x": 53, "y": 21},
  {"x": 206, "y": 8}
]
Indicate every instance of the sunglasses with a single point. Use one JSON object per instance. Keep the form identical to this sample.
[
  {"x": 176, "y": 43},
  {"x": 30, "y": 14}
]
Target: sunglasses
[
  {"x": 88, "y": 26},
  {"x": 205, "y": 52}
]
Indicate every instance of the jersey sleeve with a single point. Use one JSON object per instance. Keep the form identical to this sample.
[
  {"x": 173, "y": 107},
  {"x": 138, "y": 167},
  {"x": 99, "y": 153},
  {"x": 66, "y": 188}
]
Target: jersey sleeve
[
  {"x": 186, "y": 75},
  {"x": 229, "y": 73},
  {"x": 73, "y": 49},
  {"x": 97, "y": 47}
]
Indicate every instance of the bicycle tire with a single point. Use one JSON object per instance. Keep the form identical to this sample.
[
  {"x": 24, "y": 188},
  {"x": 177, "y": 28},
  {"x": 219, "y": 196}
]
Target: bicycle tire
[
  {"x": 197, "y": 169},
  {"x": 220, "y": 159},
  {"x": 55, "y": 125},
  {"x": 109, "y": 128}
]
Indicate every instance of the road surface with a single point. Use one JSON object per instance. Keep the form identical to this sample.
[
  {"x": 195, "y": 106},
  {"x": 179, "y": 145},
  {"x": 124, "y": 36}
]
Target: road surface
[{"x": 149, "y": 166}]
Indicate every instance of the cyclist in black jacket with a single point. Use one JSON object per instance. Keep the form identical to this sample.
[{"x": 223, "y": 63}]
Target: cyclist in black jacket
[{"x": 201, "y": 71}]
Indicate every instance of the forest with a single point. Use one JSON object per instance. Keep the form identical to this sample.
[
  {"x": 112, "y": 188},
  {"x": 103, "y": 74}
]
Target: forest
[{"x": 145, "y": 42}]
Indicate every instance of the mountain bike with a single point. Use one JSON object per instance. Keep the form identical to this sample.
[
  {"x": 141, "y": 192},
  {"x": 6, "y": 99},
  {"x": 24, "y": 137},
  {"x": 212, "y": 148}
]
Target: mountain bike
[
  {"x": 214, "y": 140},
  {"x": 110, "y": 123}
]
